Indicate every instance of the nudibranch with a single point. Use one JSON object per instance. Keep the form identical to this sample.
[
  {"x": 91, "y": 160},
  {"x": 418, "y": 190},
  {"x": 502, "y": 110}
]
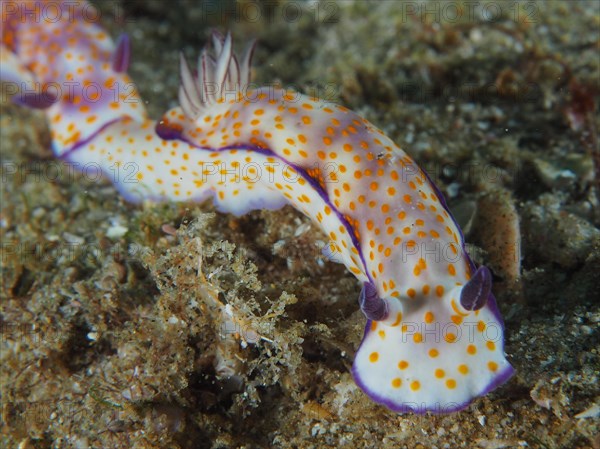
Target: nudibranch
[{"x": 434, "y": 338}]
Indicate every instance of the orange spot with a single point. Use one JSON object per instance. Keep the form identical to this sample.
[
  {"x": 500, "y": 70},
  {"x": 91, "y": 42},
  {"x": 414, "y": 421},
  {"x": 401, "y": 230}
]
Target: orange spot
[
  {"x": 493, "y": 366},
  {"x": 463, "y": 369},
  {"x": 403, "y": 364},
  {"x": 456, "y": 319},
  {"x": 471, "y": 350},
  {"x": 450, "y": 337},
  {"x": 374, "y": 357},
  {"x": 397, "y": 382},
  {"x": 439, "y": 373},
  {"x": 415, "y": 385},
  {"x": 433, "y": 353},
  {"x": 451, "y": 383}
]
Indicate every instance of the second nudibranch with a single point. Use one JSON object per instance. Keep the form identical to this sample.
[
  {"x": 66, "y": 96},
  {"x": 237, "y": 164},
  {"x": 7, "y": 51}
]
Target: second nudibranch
[
  {"x": 433, "y": 339},
  {"x": 65, "y": 63}
]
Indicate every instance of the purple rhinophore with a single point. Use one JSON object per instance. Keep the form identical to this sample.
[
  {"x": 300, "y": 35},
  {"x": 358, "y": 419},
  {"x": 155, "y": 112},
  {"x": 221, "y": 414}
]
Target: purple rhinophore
[
  {"x": 122, "y": 54},
  {"x": 35, "y": 100},
  {"x": 474, "y": 294},
  {"x": 374, "y": 307},
  {"x": 166, "y": 132}
]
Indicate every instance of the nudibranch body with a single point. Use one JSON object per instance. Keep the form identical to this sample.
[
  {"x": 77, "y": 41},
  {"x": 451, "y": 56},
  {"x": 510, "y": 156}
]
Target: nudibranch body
[{"x": 434, "y": 338}]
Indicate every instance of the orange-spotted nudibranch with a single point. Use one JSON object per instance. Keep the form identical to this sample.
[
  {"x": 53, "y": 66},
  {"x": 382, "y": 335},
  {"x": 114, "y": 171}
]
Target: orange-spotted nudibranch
[{"x": 434, "y": 338}]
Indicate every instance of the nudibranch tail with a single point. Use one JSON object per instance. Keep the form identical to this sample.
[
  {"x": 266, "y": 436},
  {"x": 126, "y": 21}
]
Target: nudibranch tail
[{"x": 434, "y": 337}]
